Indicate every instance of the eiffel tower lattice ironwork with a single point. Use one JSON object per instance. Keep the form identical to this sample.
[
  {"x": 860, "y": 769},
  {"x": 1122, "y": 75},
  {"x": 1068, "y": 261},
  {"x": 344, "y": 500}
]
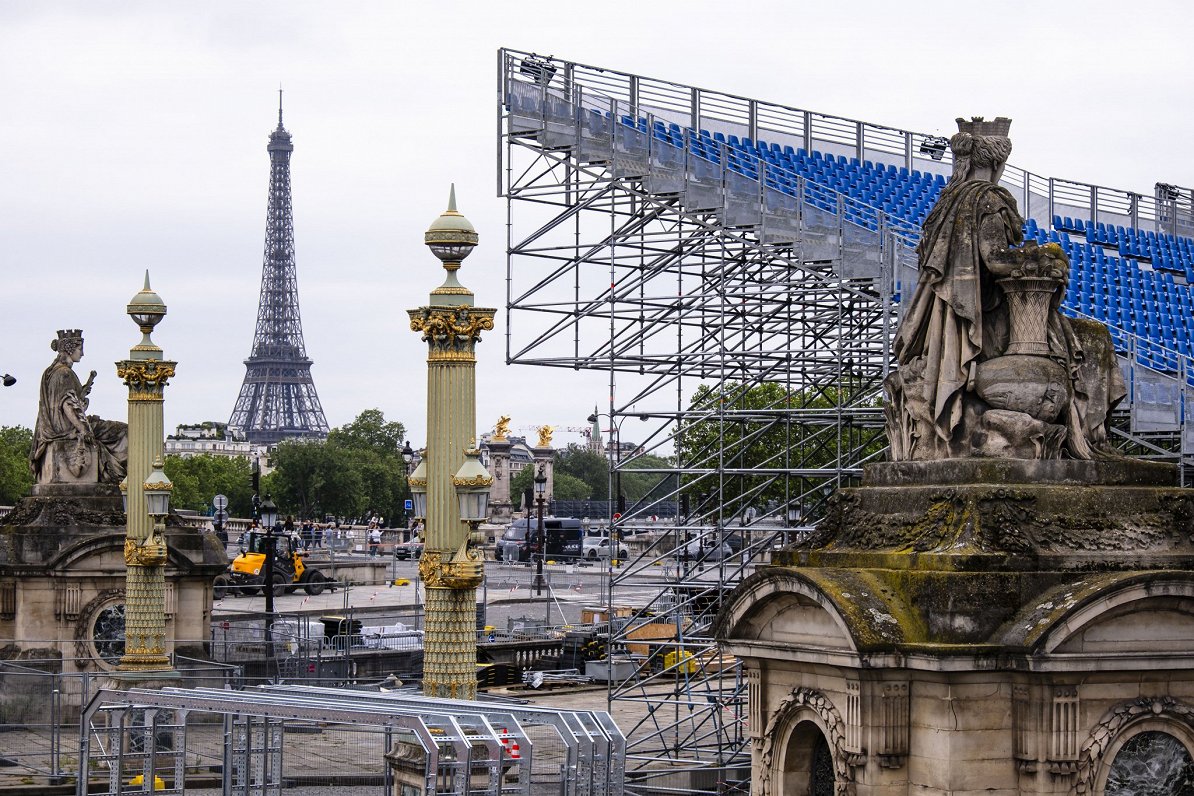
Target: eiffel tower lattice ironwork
[{"x": 277, "y": 399}]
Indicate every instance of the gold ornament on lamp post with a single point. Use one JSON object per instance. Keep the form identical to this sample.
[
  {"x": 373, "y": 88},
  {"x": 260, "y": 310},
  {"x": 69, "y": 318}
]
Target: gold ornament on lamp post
[
  {"x": 448, "y": 484},
  {"x": 146, "y": 492}
]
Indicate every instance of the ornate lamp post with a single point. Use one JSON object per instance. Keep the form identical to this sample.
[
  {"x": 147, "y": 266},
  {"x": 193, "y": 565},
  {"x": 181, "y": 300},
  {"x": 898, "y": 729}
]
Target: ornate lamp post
[
  {"x": 451, "y": 566},
  {"x": 540, "y": 546},
  {"x": 147, "y": 493}
]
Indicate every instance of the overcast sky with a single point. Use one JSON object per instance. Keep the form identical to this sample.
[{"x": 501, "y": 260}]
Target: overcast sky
[{"x": 132, "y": 136}]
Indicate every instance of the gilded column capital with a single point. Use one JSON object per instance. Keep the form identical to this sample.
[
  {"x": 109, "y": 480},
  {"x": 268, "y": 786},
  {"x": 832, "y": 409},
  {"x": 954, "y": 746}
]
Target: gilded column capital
[
  {"x": 452, "y": 332},
  {"x": 145, "y": 378}
]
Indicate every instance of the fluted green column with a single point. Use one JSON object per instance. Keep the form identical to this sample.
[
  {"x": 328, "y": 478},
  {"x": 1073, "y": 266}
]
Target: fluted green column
[
  {"x": 451, "y": 569},
  {"x": 146, "y": 374}
]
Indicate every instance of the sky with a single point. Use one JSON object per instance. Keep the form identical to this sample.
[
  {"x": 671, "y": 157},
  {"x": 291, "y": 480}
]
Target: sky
[{"x": 133, "y": 135}]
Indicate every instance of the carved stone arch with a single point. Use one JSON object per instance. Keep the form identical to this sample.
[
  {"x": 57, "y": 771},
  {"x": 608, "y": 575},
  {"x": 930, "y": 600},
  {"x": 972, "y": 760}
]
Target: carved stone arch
[
  {"x": 806, "y": 704},
  {"x": 1163, "y": 713}
]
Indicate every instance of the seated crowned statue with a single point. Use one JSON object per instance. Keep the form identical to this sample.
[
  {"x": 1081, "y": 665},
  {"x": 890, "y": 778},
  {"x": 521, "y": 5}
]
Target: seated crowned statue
[
  {"x": 70, "y": 446},
  {"x": 988, "y": 366}
]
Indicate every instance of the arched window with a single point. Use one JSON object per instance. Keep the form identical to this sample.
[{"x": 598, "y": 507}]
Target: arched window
[{"x": 1153, "y": 763}]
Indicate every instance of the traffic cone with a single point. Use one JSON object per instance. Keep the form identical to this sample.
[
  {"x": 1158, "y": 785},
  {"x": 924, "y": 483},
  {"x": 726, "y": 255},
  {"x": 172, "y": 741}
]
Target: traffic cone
[{"x": 514, "y": 753}]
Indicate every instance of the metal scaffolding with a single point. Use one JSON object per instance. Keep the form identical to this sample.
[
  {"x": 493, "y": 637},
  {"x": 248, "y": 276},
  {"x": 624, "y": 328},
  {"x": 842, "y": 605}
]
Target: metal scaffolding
[{"x": 746, "y": 325}]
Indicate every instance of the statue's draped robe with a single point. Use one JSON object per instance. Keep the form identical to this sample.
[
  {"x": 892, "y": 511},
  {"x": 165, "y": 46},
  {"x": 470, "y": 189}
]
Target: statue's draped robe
[
  {"x": 61, "y": 400},
  {"x": 954, "y": 315},
  {"x": 958, "y": 317}
]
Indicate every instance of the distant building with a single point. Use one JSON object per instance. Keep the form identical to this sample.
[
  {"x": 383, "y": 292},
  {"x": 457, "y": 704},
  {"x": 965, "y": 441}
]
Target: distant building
[
  {"x": 520, "y": 452},
  {"x": 214, "y": 438}
]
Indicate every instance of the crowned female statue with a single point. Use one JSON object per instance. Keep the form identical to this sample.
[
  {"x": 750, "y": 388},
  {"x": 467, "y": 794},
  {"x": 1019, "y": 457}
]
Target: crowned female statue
[
  {"x": 988, "y": 366},
  {"x": 70, "y": 446}
]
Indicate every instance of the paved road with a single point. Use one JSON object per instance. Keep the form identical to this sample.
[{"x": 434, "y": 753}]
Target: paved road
[{"x": 509, "y": 593}]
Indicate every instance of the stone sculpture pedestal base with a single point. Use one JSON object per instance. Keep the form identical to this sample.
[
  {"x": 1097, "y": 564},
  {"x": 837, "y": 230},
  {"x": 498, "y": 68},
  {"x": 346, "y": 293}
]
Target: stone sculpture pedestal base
[
  {"x": 973, "y": 626},
  {"x": 62, "y": 584}
]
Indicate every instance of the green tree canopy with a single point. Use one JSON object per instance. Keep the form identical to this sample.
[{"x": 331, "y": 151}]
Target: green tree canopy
[
  {"x": 756, "y": 437},
  {"x": 16, "y": 479},
  {"x": 197, "y": 479},
  {"x": 358, "y": 470}
]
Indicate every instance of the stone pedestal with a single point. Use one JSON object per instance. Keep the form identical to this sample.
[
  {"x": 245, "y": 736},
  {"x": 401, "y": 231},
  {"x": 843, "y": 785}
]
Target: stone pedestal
[
  {"x": 62, "y": 580},
  {"x": 500, "y": 504},
  {"x": 974, "y": 626},
  {"x": 547, "y": 457}
]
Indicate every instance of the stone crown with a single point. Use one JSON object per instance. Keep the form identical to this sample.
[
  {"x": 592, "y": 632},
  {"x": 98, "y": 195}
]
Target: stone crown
[{"x": 1000, "y": 125}]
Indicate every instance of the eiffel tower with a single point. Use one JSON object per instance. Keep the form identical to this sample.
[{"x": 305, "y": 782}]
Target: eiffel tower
[{"x": 277, "y": 399}]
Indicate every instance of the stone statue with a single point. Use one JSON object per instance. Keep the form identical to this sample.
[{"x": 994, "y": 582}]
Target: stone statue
[
  {"x": 545, "y": 436},
  {"x": 988, "y": 366},
  {"x": 70, "y": 446},
  {"x": 502, "y": 429}
]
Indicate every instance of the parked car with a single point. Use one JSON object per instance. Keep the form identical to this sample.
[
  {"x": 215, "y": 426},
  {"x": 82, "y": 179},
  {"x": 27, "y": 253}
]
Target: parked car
[
  {"x": 707, "y": 551},
  {"x": 600, "y": 546},
  {"x": 409, "y": 551}
]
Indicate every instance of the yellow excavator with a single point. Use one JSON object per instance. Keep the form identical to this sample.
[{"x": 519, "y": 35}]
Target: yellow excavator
[{"x": 246, "y": 573}]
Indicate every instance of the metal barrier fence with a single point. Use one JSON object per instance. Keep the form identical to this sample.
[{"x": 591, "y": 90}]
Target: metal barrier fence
[
  {"x": 40, "y": 707},
  {"x": 265, "y": 740}
]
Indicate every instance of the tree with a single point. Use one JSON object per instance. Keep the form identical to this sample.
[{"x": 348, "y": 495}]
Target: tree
[
  {"x": 376, "y": 449},
  {"x": 16, "y": 479},
  {"x": 564, "y": 486},
  {"x": 358, "y": 470},
  {"x": 370, "y": 431},
  {"x": 586, "y": 465},
  {"x": 756, "y": 436},
  {"x": 197, "y": 479},
  {"x": 311, "y": 477}
]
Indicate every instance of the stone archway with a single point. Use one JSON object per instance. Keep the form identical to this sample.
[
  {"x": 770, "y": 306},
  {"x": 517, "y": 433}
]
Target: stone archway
[{"x": 803, "y": 748}]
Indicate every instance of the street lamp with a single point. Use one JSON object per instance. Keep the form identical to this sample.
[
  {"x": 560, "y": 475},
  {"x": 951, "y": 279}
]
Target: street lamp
[
  {"x": 9, "y": 380},
  {"x": 418, "y": 489},
  {"x": 408, "y": 456},
  {"x": 540, "y": 547},
  {"x": 269, "y": 517},
  {"x": 472, "y": 482},
  {"x": 157, "y": 495}
]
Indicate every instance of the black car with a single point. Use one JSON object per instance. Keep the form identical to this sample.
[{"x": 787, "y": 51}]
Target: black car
[{"x": 408, "y": 551}]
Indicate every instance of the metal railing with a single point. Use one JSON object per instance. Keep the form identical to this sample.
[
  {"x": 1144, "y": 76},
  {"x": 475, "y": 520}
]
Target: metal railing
[{"x": 1168, "y": 208}]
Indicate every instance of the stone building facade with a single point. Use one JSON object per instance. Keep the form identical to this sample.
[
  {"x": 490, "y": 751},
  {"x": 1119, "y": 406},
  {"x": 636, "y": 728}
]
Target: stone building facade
[{"x": 984, "y": 626}]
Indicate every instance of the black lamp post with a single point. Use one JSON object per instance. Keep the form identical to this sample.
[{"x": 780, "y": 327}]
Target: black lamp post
[
  {"x": 408, "y": 456},
  {"x": 269, "y": 516},
  {"x": 541, "y": 547}
]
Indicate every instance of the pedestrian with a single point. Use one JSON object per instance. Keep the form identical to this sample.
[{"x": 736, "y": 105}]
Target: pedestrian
[
  {"x": 374, "y": 541},
  {"x": 318, "y": 534}
]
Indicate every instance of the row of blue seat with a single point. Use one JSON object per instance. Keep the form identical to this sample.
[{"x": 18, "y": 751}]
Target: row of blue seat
[{"x": 1112, "y": 268}]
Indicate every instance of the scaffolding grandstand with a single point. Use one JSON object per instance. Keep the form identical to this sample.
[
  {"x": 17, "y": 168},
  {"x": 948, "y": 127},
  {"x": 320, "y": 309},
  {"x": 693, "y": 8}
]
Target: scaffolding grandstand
[{"x": 736, "y": 267}]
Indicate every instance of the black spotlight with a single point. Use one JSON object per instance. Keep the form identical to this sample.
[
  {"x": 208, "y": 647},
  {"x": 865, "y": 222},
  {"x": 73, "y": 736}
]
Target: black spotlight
[
  {"x": 9, "y": 380},
  {"x": 934, "y": 146},
  {"x": 537, "y": 68}
]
